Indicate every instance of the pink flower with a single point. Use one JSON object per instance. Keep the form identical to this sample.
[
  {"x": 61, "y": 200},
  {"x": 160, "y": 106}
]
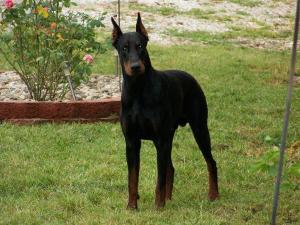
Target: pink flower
[
  {"x": 88, "y": 59},
  {"x": 9, "y": 4}
]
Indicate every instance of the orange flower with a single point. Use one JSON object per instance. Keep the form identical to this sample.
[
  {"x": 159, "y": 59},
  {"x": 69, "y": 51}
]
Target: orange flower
[{"x": 53, "y": 26}]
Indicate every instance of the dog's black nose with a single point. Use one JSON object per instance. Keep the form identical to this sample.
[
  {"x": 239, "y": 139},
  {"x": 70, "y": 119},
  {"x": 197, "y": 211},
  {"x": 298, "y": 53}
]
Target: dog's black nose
[{"x": 135, "y": 66}]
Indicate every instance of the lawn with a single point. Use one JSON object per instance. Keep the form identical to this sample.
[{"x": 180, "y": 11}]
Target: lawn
[{"x": 77, "y": 174}]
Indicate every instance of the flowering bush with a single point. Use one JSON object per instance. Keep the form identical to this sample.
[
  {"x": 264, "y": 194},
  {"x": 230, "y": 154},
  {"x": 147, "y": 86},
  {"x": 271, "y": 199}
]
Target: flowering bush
[{"x": 36, "y": 38}]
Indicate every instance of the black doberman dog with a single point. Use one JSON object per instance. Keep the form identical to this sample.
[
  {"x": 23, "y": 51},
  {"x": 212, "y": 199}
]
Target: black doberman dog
[{"x": 153, "y": 104}]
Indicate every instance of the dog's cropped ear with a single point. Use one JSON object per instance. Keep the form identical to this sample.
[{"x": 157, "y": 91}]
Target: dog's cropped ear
[
  {"x": 117, "y": 33},
  {"x": 140, "y": 27}
]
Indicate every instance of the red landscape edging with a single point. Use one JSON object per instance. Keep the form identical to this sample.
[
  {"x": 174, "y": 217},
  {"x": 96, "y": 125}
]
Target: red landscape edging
[{"x": 74, "y": 111}]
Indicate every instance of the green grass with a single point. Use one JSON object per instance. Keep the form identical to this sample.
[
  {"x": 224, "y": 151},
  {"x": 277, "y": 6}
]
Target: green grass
[
  {"x": 249, "y": 3},
  {"x": 165, "y": 11},
  {"x": 242, "y": 13},
  {"x": 197, "y": 36},
  {"x": 235, "y": 32},
  {"x": 201, "y": 14},
  {"x": 261, "y": 32},
  {"x": 76, "y": 174},
  {"x": 210, "y": 15},
  {"x": 168, "y": 11}
]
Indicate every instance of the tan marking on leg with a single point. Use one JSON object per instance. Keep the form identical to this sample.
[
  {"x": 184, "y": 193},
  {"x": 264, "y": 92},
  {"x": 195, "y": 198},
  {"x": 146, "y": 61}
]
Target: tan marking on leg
[
  {"x": 213, "y": 193},
  {"x": 169, "y": 182},
  {"x": 160, "y": 196},
  {"x": 133, "y": 188}
]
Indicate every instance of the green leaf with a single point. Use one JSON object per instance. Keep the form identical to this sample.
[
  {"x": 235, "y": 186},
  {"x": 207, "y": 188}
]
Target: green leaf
[
  {"x": 273, "y": 170},
  {"x": 295, "y": 170},
  {"x": 41, "y": 58},
  {"x": 286, "y": 186},
  {"x": 270, "y": 156},
  {"x": 268, "y": 139},
  {"x": 6, "y": 37}
]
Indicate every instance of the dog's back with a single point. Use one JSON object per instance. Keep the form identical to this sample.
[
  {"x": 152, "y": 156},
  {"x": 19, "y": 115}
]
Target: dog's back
[{"x": 184, "y": 95}]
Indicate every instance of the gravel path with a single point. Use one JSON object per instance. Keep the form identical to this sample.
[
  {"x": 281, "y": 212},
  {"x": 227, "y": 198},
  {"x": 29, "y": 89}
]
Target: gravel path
[{"x": 98, "y": 87}]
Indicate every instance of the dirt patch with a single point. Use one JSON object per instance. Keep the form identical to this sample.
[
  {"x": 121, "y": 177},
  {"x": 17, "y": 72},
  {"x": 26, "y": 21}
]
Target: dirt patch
[{"x": 200, "y": 15}]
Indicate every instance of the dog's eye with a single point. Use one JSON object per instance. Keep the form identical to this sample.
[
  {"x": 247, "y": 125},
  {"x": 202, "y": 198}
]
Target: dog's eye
[
  {"x": 139, "y": 46},
  {"x": 125, "y": 49}
]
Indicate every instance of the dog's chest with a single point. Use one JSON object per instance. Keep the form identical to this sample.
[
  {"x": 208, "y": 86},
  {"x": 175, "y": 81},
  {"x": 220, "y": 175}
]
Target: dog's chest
[{"x": 143, "y": 120}]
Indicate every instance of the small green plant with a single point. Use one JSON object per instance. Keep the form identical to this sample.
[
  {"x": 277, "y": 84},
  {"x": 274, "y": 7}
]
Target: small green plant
[
  {"x": 36, "y": 38},
  {"x": 268, "y": 163}
]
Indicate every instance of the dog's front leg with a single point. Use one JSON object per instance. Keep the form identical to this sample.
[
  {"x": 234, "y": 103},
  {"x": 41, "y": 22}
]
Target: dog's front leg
[
  {"x": 163, "y": 148},
  {"x": 133, "y": 163}
]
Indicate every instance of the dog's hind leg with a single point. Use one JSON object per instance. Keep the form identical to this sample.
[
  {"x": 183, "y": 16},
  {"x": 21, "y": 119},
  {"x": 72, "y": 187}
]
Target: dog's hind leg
[
  {"x": 133, "y": 163},
  {"x": 169, "y": 179},
  {"x": 198, "y": 123}
]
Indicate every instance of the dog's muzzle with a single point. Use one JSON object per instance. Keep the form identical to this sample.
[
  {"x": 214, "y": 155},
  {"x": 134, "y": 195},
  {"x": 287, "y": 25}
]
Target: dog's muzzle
[{"x": 135, "y": 67}]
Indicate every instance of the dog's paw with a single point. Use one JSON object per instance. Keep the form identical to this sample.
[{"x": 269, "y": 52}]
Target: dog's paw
[
  {"x": 213, "y": 196},
  {"x": 131, "y": 207}
]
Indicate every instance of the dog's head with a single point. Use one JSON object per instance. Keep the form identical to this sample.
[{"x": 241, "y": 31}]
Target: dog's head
[{"x": 131, "y": 47}]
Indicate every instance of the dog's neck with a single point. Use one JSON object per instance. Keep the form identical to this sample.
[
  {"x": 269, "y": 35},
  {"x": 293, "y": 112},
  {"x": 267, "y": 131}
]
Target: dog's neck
[{"x": 147, "y": 62}]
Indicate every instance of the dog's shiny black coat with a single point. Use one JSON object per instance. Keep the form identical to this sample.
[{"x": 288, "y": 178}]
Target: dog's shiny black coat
[{"x": 153, "y": 104}]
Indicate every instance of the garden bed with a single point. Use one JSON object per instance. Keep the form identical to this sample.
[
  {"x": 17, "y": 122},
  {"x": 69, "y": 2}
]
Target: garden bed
[
  {"x": 74, "y": 111},
  {"x": 99, "y": 100}
]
